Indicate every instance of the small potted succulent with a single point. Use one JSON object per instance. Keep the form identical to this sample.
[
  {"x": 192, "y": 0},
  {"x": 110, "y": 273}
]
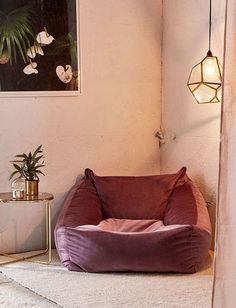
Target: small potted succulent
[{"x": 29, "y": 167}]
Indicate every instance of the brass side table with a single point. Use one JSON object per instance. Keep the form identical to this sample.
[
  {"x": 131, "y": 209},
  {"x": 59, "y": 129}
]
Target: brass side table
[{"x": 45, "y": 198}]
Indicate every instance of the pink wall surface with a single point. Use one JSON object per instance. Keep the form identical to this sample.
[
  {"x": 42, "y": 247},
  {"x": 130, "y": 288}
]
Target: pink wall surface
[
  {"x": 192, "y": 131},
  {"x": 111, "y": 126},
  {"x": 224, "y": 294}
]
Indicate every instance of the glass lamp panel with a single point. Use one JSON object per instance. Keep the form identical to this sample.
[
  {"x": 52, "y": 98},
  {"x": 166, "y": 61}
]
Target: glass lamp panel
[
  {"x": 195, "y": 75},
  {"x": 204, "y": 94},
  {"x": 211, "y": 70}
]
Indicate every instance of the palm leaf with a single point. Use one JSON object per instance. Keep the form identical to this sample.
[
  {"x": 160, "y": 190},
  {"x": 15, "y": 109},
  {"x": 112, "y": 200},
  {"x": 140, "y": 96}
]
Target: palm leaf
[
  {"x": 17, "y": 167},
  {"x": 13, "y": 173},
  {"x": 39, "y": 166},
  {"x": 38, "y": 150},
  {"x": 21, "y": 155},
  {"x": 37, "y": 159},
  {"x": 38, "y": 171},
  {"x": 14, "y": 51},
  {"x": 8, "y": 42},
  {"x": 17, "y": 42},
  {"x": 1, "y": 45},
  {"x": 16, "y": 32}
]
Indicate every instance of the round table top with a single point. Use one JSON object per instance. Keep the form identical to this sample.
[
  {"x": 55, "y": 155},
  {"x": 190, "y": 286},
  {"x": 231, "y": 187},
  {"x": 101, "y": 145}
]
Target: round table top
[{"x": 8, "y": 197}]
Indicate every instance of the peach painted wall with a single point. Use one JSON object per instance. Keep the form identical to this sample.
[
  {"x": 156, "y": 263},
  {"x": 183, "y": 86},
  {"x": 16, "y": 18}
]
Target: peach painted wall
[
  {"x": 111, "y": 126},
  {"x": 191, "y": 130}
]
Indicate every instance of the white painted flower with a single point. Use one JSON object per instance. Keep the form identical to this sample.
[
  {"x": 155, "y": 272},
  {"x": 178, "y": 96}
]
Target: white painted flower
[
  {"x": 31, "y": 69},
  {"x": 43, "y": 38},
  {"x": 34, "y": 50},
  {"x": 65, "y": 75}
]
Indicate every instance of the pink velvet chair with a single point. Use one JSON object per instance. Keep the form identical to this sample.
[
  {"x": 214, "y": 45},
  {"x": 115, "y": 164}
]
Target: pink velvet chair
[{"x": 149, "y": 224}]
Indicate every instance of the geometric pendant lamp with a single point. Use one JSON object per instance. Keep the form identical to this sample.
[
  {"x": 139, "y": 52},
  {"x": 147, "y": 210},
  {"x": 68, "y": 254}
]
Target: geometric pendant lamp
[{"x": 205, "y": 79}]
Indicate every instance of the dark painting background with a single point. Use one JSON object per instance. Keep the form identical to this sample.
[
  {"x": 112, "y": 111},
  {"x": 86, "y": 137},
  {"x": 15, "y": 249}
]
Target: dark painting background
[{"x": 59, "y": 17}]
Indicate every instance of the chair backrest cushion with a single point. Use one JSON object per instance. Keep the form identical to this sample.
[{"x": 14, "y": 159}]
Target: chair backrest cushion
[{"x": 132, "y": 197}]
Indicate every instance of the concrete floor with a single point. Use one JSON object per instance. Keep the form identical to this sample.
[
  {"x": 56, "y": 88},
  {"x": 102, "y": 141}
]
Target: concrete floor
[{"x": 15, "y": 296}]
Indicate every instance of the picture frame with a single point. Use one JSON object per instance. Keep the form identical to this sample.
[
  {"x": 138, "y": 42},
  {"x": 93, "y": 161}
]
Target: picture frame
[{"x": 40, "y": 48}]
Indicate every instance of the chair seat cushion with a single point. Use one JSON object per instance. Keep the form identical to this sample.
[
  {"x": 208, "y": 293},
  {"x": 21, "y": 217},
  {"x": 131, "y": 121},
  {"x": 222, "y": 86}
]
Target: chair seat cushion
[
  {"x": 134, "y": 245},
  {"x": 129, "y": 226}
]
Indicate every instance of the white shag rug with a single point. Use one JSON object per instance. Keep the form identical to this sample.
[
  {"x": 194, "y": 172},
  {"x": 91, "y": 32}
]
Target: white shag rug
[
  {"x": 15, "y": 296},
  {"x": 113, "y": 290}
]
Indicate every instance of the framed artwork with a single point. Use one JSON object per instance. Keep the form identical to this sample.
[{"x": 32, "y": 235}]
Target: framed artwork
[{"x": 39, "y": 48}]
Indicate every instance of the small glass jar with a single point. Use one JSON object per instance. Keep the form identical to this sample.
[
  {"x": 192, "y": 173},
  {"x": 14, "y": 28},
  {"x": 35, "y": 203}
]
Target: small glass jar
[{"x": 18, "y": 188}]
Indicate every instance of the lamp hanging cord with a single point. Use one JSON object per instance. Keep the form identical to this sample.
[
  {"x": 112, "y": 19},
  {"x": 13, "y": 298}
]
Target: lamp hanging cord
[{"x": 209, "y": 54}]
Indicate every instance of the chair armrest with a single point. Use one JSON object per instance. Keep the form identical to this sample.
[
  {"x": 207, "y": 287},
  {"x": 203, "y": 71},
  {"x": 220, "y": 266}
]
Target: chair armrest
[
  {"x": 81, "y": 207},
  {"x": 187, "y": 206}
]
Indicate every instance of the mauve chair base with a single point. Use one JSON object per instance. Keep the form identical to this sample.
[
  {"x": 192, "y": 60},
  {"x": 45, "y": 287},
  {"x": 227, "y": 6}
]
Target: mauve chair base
[
  {"x": 180, "y": 247},
  {"x": 180, "y": 250}
]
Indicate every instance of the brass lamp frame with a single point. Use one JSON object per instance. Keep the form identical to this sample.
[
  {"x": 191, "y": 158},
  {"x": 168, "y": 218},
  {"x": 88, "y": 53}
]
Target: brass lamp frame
[
  {"x": 212, "y": 85},
  {"x": 216, "y": 86}
]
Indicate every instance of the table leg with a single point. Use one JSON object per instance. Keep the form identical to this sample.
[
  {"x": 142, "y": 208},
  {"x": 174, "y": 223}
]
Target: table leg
[{"x": 49, "y": 233}]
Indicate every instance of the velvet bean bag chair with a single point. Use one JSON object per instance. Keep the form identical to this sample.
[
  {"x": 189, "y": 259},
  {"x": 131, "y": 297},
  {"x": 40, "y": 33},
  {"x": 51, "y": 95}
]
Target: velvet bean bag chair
[{"x": 154, "y": 223}]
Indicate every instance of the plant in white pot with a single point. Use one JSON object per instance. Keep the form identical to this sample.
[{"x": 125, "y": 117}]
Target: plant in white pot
[{"x": 29, "y": 167}]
